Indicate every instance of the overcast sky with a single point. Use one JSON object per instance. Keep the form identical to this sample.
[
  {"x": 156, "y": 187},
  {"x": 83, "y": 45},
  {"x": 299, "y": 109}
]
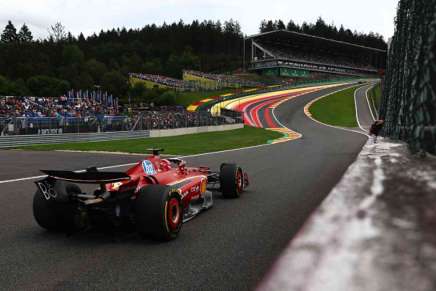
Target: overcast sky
[{"x": 89, "y": 16}]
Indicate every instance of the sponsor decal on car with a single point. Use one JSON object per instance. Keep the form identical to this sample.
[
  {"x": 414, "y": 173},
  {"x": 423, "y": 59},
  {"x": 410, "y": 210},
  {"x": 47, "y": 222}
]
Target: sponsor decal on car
[
  {"x": 195, "y": 189},
  {"x": 148, "y": 167}
]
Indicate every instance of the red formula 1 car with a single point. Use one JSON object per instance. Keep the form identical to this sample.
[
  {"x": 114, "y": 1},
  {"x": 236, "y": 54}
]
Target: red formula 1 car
[{"x": 156, "y": 196}]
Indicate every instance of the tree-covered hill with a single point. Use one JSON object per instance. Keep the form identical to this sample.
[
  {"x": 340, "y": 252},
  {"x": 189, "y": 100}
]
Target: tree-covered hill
[
  {"x": 50, "y": 67},
  {"x": 104, "y": 59}
]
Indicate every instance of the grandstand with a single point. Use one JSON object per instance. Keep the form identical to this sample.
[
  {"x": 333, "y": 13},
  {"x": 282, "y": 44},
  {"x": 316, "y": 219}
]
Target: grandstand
[
  {"x": 152, "y": 81},
  {"x": 206, "y": 81},
  {"x": 192, "y": 81},
  {"x": 292, "y": 54}
]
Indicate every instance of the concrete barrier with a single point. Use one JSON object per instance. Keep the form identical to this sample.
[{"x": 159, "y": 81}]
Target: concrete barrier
[{"x": 192, "y": 130}]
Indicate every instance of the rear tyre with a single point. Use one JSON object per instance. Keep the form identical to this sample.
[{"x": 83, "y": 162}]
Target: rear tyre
[
  {"x": 231, "y": 180},
  {"x": 158, "y": 212},
  {"x": 52, "y": 215}
]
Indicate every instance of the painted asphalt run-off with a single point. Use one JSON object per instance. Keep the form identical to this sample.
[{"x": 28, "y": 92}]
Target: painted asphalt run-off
[{"x": 258, "y": 109}]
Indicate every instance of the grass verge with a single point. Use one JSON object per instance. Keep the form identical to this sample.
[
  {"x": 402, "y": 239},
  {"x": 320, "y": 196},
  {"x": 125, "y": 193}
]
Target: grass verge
[
  {"x": 337, "y": 109},
  {"x": 176, "y": 145},
  {"x": 374, "y": 95}
]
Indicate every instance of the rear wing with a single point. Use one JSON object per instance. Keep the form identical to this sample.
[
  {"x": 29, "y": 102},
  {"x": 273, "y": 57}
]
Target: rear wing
[{"x": 88, "y": 177}]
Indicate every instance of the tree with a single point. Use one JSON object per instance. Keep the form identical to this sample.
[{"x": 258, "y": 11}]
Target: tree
[
  {"x": 280, "y": 25},
  {"x": 132, "y": 63},
  {"x": 81, "y": 38},
  {"x": 25, "y": 35},
  {"x": 70, "y": 37},
  {"x": 177, "y": 63},
  {"x": 47, "y": 86},
  {"x": 84, "y": 81},
  {"x": 114, "y": 82},
  {"x": 320, "y": 28},
  {"x": 4, "y": 86},
  {"x": 232, "y": 27},
  {"x": 96, "y": 69},
  {"x": 167, "y": 98},
  {"x": 137, "y": 92},
  {"x": 306, "y": 28},
  {"x": 19, "y": 88},
  {"x": 9, "y": 33},
  {"x": 266, "y": 26},
  {"x": 57, "y": 32},
  {"x": 292, "y": 26},
  {"x": 270, "y": 26},
  {"x": 72, "y": 55}
]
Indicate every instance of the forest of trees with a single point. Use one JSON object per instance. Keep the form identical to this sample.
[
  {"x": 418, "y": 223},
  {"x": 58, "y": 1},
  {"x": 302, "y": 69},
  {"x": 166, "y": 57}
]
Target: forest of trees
[
  {"x": 62, "y": 61},
  {"x": 322, "y": 29},
  {"x": 51, "y": 66}
]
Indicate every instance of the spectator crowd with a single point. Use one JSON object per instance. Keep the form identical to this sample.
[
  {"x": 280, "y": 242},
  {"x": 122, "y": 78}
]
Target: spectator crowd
[
  {"x": 327, "y": 60},
  {"x": 53, "y": 107},
  {"x": 162, "y": 80},
  {"x": 226, "y": 80},
  {"x": 162, "y": 119},
  {"x": 221, "y": 81},
  {"x": 85, "y": 115}
]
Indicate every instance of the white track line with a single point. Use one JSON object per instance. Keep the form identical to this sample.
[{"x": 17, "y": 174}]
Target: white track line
[
  {"x": 307, "y": 113},
  {"x": 367, "y": 100},
  {"x": 281, "y": 124},
  {"x": 355, "y": 107},
  {"x": 22, "y": 179}
]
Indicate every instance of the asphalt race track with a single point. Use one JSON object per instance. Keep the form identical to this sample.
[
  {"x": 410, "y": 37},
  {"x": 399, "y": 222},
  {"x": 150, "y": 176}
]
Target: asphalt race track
[
  {"x": 363, "y": 112},
  {"x": 230, "y": 247}
]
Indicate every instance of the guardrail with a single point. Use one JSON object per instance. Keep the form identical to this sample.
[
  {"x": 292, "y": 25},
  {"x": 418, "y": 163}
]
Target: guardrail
[{"x": 23, "y": 140}]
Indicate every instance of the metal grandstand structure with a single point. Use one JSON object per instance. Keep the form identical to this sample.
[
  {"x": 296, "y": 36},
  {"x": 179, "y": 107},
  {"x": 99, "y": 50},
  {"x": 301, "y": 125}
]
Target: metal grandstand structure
[{"x": 293, "y": 54}]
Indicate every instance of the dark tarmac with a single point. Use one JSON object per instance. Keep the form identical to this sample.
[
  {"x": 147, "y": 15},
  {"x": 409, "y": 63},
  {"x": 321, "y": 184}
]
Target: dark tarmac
[
  {"x": 363, "y": 112},
  {"x": 230, "y": 247}
]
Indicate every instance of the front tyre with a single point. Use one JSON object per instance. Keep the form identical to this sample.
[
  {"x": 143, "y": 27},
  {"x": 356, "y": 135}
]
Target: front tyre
[
  {"x": 158, "y": 212},
  {"x": 231, "y": 180}
]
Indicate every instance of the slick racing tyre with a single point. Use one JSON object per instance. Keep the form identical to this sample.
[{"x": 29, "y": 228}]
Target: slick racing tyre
[
  {"x": 53, "y": 215},
  {"x": 231, "y": 180},
  {"x": 158, "y": 212}
]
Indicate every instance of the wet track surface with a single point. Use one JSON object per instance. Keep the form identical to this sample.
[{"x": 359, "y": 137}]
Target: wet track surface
[{"x": 230, "y": 247}]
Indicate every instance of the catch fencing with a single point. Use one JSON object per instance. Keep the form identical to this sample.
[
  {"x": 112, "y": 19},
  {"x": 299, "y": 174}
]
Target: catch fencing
[
  {"x": 409, "y": 103},
  {"x": 169, "y": 120},
  {"x": 145, "y": 120},
  {"x": 34, "y": 139},
  {"x": 54, "y": 125}
]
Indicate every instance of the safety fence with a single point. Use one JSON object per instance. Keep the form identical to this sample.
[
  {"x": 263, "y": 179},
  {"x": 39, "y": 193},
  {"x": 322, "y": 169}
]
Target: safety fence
[
  {"x": 170, "y": 120},
  {"x": 409, "y": 103},
  {"x": 145, "y": 120},
  {"x": 34, "y": 139},
  {"x": 54, "y": 125},
  {"x": 14, "y": 141}
]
